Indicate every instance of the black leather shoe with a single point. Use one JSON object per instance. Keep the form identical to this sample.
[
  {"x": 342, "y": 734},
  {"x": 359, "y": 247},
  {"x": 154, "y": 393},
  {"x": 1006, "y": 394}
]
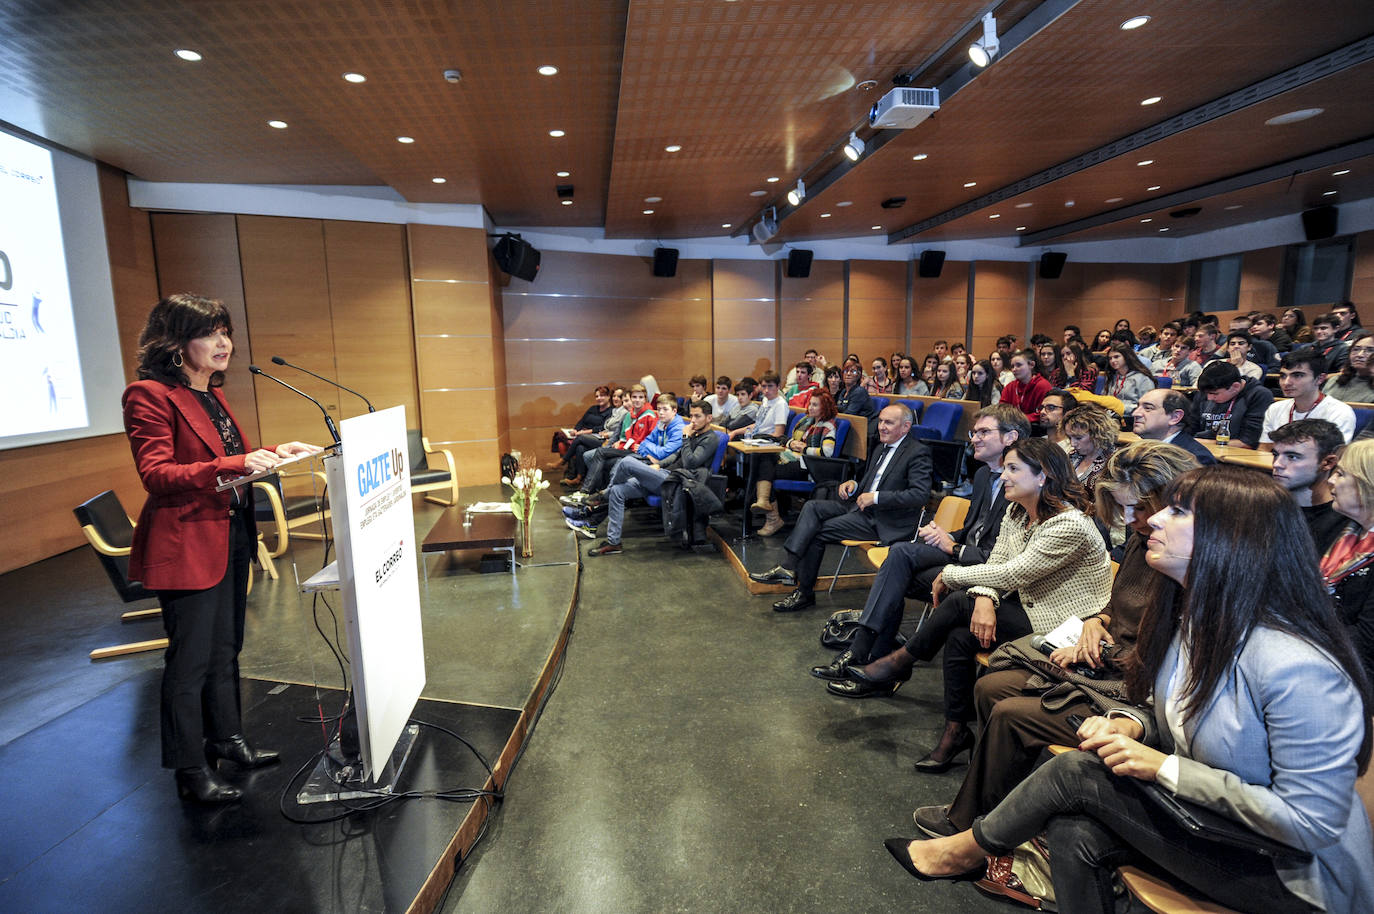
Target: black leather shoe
[
  {"x": 852, "y": 688},
  {"x": 775, "y": 575},
  {"x": 236, "y": 749},
  {"x": 201, "y": 785},
  {"x": 940, "y": 761},
  {"x": 934, "y": 821},
  {"x": 836, "y": 669},
  {"x": 794, "y": 601}
]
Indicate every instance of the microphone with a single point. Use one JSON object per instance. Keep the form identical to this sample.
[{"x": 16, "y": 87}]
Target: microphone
[
  {"x": 328, "y": 420},
  {"x": 278, "y": 360}
]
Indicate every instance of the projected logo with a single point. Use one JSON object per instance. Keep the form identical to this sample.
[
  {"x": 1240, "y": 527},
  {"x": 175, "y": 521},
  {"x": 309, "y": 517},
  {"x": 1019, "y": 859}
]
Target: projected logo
[
  {"x": 376, "y": 473},
  {"x": 389, "y": 564}
]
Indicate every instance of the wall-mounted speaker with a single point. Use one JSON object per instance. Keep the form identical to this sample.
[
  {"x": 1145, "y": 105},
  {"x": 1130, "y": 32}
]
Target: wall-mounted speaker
[
  {"x": 1052, "y": 264},
  {"x": 799, "y": 263},
  {"x": 932, "y": 262},
  {"x": 1319, "y": 223},
  {"x": 517, "y": 257},
  {"x": 665, "y": 261}
]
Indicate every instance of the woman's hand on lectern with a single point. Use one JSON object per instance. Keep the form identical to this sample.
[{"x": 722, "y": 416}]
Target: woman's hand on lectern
[{"x": 297, "y": 449}]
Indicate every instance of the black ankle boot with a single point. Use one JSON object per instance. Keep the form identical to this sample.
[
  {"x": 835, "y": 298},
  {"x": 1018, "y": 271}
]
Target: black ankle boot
[
  {"x": 236, "y": 749},
  {"x": 200, "y": 784}
]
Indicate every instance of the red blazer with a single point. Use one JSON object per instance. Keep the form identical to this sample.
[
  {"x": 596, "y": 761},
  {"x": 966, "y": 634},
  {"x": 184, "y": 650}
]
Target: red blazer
[{"x": 182, "y": 538}]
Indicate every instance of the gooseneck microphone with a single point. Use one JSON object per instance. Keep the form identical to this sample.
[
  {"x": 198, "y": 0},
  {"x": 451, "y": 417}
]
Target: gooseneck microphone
[
  {"x": 328, "y": 420},
  {"x": 278, "y": 360}
]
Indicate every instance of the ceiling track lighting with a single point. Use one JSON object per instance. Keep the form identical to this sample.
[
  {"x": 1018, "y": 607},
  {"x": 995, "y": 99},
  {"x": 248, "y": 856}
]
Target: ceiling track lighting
[
  {"x": 796, "y": 195},
  {"x": 982, "y": 51},
  {"x": 854, "y": 149},
  {"x": 767, "y": 226}
]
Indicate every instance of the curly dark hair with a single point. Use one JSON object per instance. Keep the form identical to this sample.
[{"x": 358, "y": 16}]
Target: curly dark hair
[{"x": 174, "y": 322}]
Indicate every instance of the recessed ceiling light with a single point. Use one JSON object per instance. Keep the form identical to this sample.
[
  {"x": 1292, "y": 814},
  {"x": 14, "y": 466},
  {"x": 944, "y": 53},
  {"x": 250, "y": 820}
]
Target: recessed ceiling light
[
  {"x": 566, "y": 202},
  {"x": 1329, "y": 193},
  {"x": 280, "y": 125},
  {"x": 725, "y": 225},
  {"x": 1293, "y": 117},
  {"x": 995, "y": 216},
  {"x": 648, "y": 212},
  {"x": 673, "y": 148},
  {"x": 1145, "y": 162},
  {"x": 562, "y": 174},
  {"x": 1153, "y": 187},
  {"x": 557, "y": 133},
  {"x": 548, "y": 70},
  {"x": 187, "y": 54},
  {"x": 1134, "y": 22},
  {"x": 1068, "y": 203},
  {"x": 1020, "y": 228},
  {"x": 1024, "y": 205},
  {"x": 1343, "y": 171},
  {"x": 825, "y": 215},
  {"x": 877, "y": 228},
  {"x": 757, "y": 193},
  {"x": 1147, "y": 220},
  {"x": 405, "y": 139},
  {"x": 1114, "y": 199},
  {"x": 355, "y": 77},
  {"x": 920, "y": 157},
  {"x": 773, "y": 180},
  {"x": 1165, "y": 229},
  {"x": 844, "y": 203},
  {"x": 653, "y": 199},
  {"x": 1234, "y": 206},
  {"x": 439, "y": 180},
  {"x": 1152, "y": 100},
  {"x": 970, "y": 183}
]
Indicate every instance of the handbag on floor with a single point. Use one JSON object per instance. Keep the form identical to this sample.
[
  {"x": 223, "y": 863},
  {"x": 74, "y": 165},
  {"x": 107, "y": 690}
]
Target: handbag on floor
[{"x": 838, "y": 631}]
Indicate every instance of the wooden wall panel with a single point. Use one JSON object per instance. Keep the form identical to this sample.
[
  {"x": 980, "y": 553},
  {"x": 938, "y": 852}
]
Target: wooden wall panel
[
  {"x": 133, "y": 264},
  {"x": 1261, "y": 273},
  {"x": 286, "y": 294},
  {"x": 811, "y": 312},
  {"x": 1095, "y": 295},
  {"x": 939, "y": 309},
  {"x": 369, "y": 299},
  {"x": 1362, "y": 277},
  {"x": 745, "y": 313},
  {"x": 999, "y": 303},
  {"x": 199, "y": 252},
  {"x": 877, "y": 315}
]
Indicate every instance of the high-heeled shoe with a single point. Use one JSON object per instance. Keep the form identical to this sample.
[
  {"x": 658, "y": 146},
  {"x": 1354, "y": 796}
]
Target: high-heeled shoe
[
  {"x": 953, "y": 742},
  {"x": 897, "y": 847},
  {"x": 201, "y": 785},
  {"x": 895, "y": 667},
  {"x": 236, "y": 749}
]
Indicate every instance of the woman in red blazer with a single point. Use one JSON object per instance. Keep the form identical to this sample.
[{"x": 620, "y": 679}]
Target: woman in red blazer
[{"x": 193, "y": 545}]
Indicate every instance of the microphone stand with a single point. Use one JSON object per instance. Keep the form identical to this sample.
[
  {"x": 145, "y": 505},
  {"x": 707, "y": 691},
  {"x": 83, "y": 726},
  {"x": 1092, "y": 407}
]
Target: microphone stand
[
  {"x": 278, "y": 360},
  {"x": 328, "y": 420}
]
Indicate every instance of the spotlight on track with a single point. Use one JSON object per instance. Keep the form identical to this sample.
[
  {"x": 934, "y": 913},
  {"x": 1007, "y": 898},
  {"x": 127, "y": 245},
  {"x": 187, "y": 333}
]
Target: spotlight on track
[
  {"x": 797, "y": 194},
  {"x": 854, "y": 149},
  {"x": 982, "y": 51}
]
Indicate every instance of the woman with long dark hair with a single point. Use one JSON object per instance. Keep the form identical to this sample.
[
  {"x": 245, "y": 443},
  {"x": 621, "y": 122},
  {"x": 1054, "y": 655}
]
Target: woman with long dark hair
[
  {"x": 1080, "y": 371},
  {"x": 193, "y": 545},
  {"x": 1049, "y": 563},
  {"x": 907, "y": 382},
  {"x": 1049, "y": 365},
  {"x": 983, "y": 384},
  {"x": 1295, "y": 323},
  {"x": 1261, "y": 713},
  {"x": 1128, "y": 379}
]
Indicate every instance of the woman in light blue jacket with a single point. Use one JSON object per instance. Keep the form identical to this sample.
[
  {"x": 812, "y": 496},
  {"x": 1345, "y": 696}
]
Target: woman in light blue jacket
[{"x": 1261, "y": 713}]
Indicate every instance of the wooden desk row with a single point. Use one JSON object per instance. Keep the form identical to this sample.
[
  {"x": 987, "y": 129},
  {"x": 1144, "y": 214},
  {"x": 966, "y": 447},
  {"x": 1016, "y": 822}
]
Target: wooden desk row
[{"x": 1260, "y": 460}]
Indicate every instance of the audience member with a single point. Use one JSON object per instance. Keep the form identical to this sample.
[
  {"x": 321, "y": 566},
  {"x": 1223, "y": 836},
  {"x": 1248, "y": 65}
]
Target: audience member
[
  {"x": 1355, "y": 382},
  {"x": 593, "y": 437},
  {"x": 1346, "y": 564},
  {"x": 771, "y": 420},
  {"x": 1301, "y": 374},
  {"x": 911, "y": 567},
  {"x": 1325, "y": 344},
  {"x": 928, "y": 366},
  {"x": 812, "y": 436},
  {"x": 1161, "y": 347},
  {"x": 746, "y": 410},
  {"x": 723, "y": 403},
  {"x": 945, "y": 384},
  {"x": 941, "y": 349},
  {"x": 883, "y": 506},
  {"x": 998, "y": 360},
  {"x": 907, "y": 382},
  {"x": 1079, "y": 371},
  {"x": 834, "y": 381},
  {"x": 1348, "y": 322},
  {"x": 1092, "y": 431},
  {"x": 1026, "y": 700},
  {"x": 1265, "y": 326},
  {"x": 1238, "y": 347},
  {"x": 1262, "y": 352},
  {"x": 698, "y": 385},
  {"x": 878, "y": 383},
  {"x": 1102, "y": 341},
  {"x": 1224, "y": 396},
  {"x": 1161, "y": 415},
  {"x": 1294, "y": 323},
  {"x": 1071, "y": 333},
  {"x": 1052, "y": 409},
  {"x": 963, "y": 365},
  {"x": 1127, "y": 378},
  {"x": 1305, "y": 453},
  {"x": 800, "y": 389},
  {"x": 1048, "y": 364},
  {"x": 1250, "y": 671},
  {"x": 1027, "y": 388},
  {"x": 638, "y": 422},
  {"x": 1049, "y": 563},
  {"x": 853, "y": 399},
  {"x": 984, "y": 388},
  {"x": 1180, "y": 366},
  {"x": 642, "y": 473}
]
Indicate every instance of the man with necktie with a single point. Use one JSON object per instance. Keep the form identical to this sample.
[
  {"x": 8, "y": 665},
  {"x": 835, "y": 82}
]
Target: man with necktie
[
  {"x": 885, "y": 505},
  {"x": 911, "y": 567}
]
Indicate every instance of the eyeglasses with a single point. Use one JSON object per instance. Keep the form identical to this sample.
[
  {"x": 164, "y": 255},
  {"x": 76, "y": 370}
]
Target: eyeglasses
[
  {"x": 1365, "y": 349},
  {"x": 976, "y": 433}
]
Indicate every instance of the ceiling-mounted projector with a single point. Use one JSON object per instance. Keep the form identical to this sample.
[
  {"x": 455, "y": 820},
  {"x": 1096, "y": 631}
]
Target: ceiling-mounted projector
[
  {"x": 767, "y": 226},
  {"x": 903, "y": 108}
]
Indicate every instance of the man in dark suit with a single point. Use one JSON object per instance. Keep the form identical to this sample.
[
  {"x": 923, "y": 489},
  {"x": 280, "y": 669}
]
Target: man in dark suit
[
  {"x": 885, "y": 505},
  {"x": 1160, "y": 416},
  {"x": 910, "y": 568}
]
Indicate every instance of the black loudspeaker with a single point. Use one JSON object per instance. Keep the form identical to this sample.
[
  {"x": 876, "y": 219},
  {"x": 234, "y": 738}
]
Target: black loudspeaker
[
  {"x": 516, "y": 257},
  {"x": 932, "y": 262},
  {"x": 1052, "y": 264},
  {"x": 1319, "y": 223},
  {"x": 799, "y": 263},
  {"x": 665, "y": 261}
]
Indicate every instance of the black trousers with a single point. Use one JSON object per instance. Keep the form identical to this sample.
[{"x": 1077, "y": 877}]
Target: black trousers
[
  {"x": 910, "y": 568},
  {"x": 575, "y": 459},
  {"x": 768, "y": 467},
  {"x": 823, "y": 522},
  {"x": 947, "y": 628},
  {"x": 200, "y": 678}
]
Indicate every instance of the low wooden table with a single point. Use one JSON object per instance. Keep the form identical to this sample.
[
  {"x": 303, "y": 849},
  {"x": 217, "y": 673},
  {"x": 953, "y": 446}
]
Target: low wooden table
[{"x": 487, "y": 531}]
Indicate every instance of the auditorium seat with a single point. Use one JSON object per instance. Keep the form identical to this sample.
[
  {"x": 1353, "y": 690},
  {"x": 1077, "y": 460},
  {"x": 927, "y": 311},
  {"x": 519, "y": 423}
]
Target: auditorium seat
[
  {"x": 1163, "y": 381},
  {"x": 879, "y": 403},
  {"x": 807, "y": 486}
]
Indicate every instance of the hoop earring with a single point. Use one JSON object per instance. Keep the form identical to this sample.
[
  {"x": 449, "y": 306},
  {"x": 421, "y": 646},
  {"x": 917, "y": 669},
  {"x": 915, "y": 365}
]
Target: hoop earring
[{"x": 177, "y": 360}]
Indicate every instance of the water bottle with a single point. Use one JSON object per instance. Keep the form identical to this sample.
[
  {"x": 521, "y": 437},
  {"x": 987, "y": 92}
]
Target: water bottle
[{"x": 1224, "y": 432}]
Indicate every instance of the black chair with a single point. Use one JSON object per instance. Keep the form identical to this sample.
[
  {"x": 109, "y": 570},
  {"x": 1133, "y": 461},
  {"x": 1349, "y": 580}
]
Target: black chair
[
  {"x": 111, "y": 533},
  {"x": 287, "y": 513},
  {"x": 424, "y": 478}
]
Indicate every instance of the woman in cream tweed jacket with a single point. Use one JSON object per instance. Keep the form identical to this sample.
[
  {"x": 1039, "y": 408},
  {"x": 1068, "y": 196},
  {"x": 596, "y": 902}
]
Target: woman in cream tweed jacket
[{"x": 1049, "y": 563}]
